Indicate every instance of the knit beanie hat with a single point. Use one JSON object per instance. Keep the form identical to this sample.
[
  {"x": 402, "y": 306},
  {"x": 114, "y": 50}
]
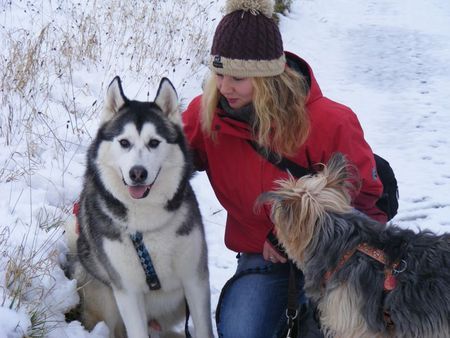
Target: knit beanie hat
[{"x": 247, "y": 41}]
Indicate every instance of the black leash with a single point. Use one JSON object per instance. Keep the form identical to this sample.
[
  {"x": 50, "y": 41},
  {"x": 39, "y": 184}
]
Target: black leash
[
  {"x": 292, "y": 301},
  {"x": 186, "y": 323},
  {"x": 292, "y": 309}
]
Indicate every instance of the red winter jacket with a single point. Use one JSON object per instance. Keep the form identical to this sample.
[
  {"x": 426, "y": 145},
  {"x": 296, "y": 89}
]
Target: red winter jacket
[{"x": 239, "y": 175}]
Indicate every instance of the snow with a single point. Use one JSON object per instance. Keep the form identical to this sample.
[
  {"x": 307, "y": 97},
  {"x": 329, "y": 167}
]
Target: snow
[
  {"x": 12, "y": 321},
  {"x": 389, "y": 60},
  {"x": 390, "y": 63}
]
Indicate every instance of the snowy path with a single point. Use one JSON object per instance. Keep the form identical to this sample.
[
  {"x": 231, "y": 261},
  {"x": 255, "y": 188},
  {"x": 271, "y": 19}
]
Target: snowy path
[{"x": 390, "y": 62}]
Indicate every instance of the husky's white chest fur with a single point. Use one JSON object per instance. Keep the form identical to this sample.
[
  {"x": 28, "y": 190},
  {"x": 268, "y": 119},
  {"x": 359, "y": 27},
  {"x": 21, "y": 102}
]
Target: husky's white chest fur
[{"x": 167, "y": 250}]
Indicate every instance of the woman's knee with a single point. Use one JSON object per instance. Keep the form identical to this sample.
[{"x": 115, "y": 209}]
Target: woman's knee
[
  {"x": 239, "y": 319},
  {"x": 252, "y": 306}
]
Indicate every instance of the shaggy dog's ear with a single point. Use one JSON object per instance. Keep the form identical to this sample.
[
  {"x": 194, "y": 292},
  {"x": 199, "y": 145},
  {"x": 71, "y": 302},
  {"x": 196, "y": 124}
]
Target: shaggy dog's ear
[
  {"x": 114, "y": 101},
  {"x": 167, "y": 99},
  {"x": 339, "y": 172},
  {"x": 294, "y": 213}
]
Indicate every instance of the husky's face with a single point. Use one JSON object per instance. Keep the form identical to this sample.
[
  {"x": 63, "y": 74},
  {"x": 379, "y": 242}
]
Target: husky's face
[
  {"x": 137, "y": 138},
  {"x": 136, "y": 155}
]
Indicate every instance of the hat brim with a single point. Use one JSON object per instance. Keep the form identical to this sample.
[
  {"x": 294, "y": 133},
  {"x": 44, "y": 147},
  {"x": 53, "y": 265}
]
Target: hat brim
[{"x": 247, "y": 68}]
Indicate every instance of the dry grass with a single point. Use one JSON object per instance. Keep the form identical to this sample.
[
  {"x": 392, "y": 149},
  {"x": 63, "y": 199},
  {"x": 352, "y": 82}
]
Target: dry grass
[
  {"x": 27, "y": 266},
  {"x": 49, "y": 107},
  {"x": 42, "y": 61},
  {"x": 281, "y": 7}
]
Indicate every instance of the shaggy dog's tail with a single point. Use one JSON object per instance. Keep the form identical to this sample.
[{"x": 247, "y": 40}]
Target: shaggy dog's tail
[{"x": 300, "y": 207}]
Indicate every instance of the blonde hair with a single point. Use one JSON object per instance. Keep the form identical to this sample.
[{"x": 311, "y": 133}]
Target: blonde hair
[{"x": 281, "y": 121}]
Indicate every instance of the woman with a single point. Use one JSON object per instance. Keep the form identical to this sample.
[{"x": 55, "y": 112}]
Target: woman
[{"x": 259, "y": 93}]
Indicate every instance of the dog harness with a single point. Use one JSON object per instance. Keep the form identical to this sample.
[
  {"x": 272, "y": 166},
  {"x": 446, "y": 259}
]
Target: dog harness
[
  {"x": 144, "y": 258},
  {"x": 146, "y": 261},
  {"x": 76, "y": 211},
  {"x": 390, "y": 271},
  {"x": 141, "y": 250}
]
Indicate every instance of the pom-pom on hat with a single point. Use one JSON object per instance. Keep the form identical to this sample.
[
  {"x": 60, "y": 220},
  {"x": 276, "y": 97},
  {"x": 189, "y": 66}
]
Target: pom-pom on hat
[{"x": 247, "y": 41}]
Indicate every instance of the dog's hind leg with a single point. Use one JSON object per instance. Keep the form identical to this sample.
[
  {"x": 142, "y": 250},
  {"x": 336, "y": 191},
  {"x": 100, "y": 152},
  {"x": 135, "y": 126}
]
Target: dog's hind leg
[
  {"x": 132, "y": 308},
  {"x": 98, "y": 304}
]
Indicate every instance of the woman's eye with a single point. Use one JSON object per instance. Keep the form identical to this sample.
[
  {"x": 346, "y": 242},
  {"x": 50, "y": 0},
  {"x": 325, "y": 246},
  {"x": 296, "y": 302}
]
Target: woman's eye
[
  {"x": 153, "y": 143},
  {"x": 124, "y": 143}
]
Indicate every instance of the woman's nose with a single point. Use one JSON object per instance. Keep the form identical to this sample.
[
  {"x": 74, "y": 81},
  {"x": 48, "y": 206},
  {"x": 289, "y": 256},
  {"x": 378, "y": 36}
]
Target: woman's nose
[{"x": 225, "y": 86}]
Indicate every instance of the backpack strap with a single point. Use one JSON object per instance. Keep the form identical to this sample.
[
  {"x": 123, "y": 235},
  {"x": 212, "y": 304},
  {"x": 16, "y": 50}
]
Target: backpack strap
[
  {"x": 281, "y": 162},
  {"x": 388, "y": 201}
]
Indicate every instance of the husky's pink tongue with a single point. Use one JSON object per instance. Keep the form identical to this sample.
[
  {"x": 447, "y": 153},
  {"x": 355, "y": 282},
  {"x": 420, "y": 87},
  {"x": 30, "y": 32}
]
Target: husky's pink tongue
[{"x": 138, "y": 191}]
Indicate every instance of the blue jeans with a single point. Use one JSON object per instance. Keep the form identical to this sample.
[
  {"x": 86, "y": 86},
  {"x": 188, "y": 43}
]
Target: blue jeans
[{"x": 253, "y": 302}]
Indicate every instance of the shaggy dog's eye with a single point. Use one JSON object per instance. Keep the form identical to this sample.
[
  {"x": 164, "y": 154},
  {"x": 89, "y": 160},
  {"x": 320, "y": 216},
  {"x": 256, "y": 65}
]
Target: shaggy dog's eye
[
  {"x": 153, "y": 143},
  {"x": 124, "y": 143}
]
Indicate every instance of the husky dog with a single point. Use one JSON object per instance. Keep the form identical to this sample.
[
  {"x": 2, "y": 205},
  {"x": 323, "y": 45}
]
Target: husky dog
[
  {"x": 141, "y": 246},
  {"x": 368, "y": 279}
]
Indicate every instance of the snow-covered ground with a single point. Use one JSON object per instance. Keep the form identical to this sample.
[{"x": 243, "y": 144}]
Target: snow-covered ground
[{"x": 389, "y": 60}]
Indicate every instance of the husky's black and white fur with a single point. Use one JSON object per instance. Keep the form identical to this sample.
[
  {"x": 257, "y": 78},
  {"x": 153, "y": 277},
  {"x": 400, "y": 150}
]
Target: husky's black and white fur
[
  {"x": 317, "y": 226},
  {"x": 137, "y": 180}
]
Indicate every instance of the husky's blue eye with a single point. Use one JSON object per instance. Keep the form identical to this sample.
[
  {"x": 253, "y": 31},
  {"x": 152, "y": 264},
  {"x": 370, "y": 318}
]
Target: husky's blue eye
[
  {"x": 153, "y": 143},
  {"x": 124, "y": 143}
]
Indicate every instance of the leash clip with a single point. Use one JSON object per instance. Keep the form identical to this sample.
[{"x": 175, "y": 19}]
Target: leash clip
[
  {"x": 291, "y": 318},
  {"x": 398, "y": 270},
  {"x": 290, "y": 322}
]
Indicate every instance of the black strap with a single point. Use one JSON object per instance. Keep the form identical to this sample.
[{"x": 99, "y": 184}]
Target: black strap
[
  {"x": 281, "y": 162},
  {"x": 292, "y": 305},
  {"x": 293, "y": 291},
  {"x": 186, "y": 323},
  {"x": 297, "y": 171}
]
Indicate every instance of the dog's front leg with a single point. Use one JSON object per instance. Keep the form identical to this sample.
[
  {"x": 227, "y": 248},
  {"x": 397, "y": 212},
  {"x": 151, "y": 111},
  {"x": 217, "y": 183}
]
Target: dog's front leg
[
  {"x": 132, "y": 309},
  {"x": 198, "y": 298}
]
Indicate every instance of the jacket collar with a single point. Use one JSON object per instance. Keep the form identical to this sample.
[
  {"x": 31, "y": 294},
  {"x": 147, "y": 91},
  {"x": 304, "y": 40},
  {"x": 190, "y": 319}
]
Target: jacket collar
[{"x": 244, "y": 114}]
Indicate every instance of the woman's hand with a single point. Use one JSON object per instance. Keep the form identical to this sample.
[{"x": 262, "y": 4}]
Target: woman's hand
[{"x": 271, "y": 253}]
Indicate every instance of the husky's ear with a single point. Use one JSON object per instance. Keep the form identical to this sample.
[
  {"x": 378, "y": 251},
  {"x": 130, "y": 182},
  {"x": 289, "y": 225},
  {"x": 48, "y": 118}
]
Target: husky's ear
[
  {"x": 115, "y": 99},
  {"x": 167, "y": 99}
]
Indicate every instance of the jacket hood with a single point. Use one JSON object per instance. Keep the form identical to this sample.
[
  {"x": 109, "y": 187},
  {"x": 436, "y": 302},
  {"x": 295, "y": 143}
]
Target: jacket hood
[{"x": 301, "y": 66}]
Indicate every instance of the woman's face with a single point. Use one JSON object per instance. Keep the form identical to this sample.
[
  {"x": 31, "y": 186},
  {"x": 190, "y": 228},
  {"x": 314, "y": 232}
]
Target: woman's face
[{"x": 238, "y": 91}]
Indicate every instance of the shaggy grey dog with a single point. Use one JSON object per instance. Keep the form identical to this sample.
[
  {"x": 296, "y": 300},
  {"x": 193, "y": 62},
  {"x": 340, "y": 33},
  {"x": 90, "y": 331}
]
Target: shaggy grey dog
[{"x": 400, "y": 288}]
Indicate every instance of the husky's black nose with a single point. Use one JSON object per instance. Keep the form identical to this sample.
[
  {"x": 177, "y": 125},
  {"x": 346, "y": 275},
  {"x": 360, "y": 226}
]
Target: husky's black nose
[{"x": 138, "y": 174}]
